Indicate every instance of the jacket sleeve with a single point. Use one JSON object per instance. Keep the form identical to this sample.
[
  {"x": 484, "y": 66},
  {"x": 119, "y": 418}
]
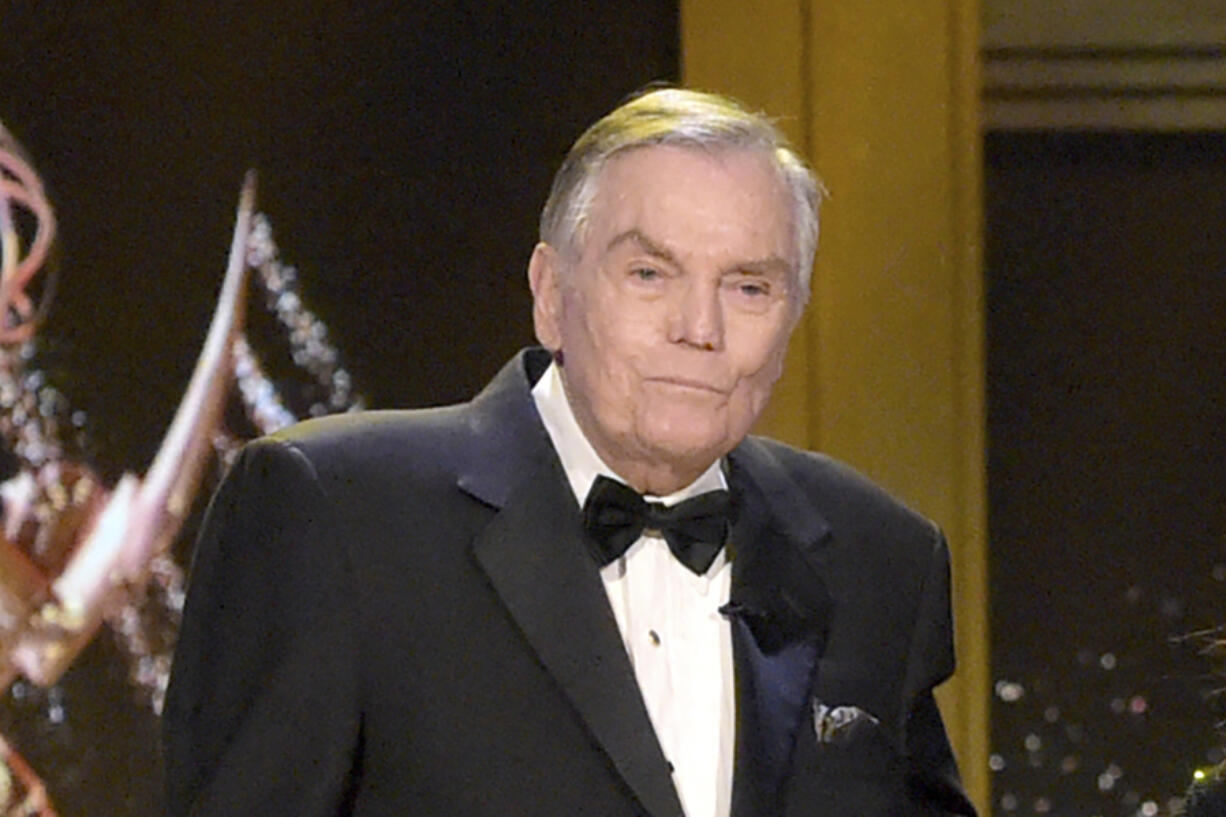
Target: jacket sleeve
[
  {"x": 932, "y": 783},
  {"x": 261, "y": 712}
]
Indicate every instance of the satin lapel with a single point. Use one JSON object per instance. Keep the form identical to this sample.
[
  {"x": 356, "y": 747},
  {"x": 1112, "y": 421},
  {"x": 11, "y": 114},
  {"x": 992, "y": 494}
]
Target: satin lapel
[
  {"x": 779, "y": 630},
  {"x": 533, "y": 554}
]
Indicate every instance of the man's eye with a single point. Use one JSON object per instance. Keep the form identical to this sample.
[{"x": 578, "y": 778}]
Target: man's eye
[
  {"x": 754, "y": 289},
  {"x": 646, "y": 273}
]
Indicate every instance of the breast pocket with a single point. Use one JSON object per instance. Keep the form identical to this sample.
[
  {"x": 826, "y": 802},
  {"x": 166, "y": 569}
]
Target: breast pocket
[{"x": 845, "y": 765}]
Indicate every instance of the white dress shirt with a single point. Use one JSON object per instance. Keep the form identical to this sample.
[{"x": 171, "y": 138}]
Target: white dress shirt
[{"x": 679, "y": 644}]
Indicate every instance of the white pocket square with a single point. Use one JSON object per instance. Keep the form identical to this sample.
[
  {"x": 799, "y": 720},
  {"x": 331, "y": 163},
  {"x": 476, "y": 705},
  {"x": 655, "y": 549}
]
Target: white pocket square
[{"x": 839, "y": 724}]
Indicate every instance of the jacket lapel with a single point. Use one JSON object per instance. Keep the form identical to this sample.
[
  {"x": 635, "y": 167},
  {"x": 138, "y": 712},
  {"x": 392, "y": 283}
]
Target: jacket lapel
[
  {"x": 533, "y": 554},
  {"x": 780, "y": 616}
]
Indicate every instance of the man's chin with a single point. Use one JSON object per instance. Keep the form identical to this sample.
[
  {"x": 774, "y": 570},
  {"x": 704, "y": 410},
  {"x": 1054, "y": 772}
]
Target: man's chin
[{"x": 688, "y": 448}]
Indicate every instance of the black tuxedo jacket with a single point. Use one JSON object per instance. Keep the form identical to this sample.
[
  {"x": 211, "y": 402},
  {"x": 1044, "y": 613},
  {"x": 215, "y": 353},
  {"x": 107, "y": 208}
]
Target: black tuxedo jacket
[{"x": 394, "y": 613}]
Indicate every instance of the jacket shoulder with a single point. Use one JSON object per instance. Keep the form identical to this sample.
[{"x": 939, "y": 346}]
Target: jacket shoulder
[
  {"x": 848, "y": 499},
  {"x": 383, "y": 442},
  {"x": 462, "y": 435},
  {"x": 362, "y": 428}
]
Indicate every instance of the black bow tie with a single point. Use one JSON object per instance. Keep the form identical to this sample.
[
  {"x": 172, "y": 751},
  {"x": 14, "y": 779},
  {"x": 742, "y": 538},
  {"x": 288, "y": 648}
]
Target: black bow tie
[{"x": 614, "y": 517}]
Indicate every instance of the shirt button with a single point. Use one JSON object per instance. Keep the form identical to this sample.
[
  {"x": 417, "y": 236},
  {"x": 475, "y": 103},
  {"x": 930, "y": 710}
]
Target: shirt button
[{"x": 655, "y": 637}]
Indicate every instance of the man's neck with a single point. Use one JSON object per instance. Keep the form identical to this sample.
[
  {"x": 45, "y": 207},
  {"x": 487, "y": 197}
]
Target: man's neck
[
  {"x": 652, "y": 480},
  {"x": 582, "y": 461}
]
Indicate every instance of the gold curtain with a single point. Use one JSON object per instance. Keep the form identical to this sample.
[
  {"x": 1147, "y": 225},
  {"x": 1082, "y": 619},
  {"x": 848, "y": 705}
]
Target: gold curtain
[{"x": 887, "y": 369}]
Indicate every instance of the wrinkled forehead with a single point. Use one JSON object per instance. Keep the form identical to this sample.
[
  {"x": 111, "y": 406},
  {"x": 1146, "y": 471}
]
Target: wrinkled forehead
[{"x": 687, "y": 184}]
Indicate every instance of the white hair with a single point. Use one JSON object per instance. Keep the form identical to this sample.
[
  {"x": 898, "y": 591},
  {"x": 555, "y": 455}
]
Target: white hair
[{"x": 682, "y": 118}]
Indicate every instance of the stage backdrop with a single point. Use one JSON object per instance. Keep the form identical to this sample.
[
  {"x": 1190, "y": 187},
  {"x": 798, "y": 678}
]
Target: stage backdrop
[{"x": 404, "y": 153}]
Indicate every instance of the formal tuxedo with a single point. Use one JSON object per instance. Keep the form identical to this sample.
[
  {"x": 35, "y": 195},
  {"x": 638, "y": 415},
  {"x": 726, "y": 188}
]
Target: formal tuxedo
[{"x": 395, "y": 613}]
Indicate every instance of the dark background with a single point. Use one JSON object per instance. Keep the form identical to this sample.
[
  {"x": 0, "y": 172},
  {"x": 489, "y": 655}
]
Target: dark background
[
  {"x": 1106, "y": 282},
  {"x": 405, "y": 150}
]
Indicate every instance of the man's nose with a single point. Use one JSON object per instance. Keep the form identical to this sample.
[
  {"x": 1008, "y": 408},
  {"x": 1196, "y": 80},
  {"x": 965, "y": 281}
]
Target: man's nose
[{"x": 698, "y": 317}]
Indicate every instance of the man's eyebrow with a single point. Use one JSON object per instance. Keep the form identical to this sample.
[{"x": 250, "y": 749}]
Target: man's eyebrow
[
  {"x": 636, "y": 236},
  {"x": 771, "y": 265}
]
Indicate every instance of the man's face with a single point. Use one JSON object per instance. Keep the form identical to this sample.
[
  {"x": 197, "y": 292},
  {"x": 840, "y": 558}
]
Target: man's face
[{"x": 674, "y": 318}]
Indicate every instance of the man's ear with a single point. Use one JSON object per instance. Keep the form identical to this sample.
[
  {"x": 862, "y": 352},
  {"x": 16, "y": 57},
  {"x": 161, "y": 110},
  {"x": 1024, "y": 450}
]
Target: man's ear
[{"x": 544, "y": 271}]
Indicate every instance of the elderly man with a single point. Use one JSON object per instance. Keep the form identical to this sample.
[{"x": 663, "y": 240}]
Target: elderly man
[{"x": 587, "y": 591}]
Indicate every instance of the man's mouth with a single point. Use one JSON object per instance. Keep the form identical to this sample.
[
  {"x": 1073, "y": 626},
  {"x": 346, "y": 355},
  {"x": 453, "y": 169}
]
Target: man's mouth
[{"x": 687, "y": 383}]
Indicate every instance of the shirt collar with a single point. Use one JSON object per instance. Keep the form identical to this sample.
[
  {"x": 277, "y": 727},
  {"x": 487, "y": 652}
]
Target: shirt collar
[{"x": 579, "y": 459}]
